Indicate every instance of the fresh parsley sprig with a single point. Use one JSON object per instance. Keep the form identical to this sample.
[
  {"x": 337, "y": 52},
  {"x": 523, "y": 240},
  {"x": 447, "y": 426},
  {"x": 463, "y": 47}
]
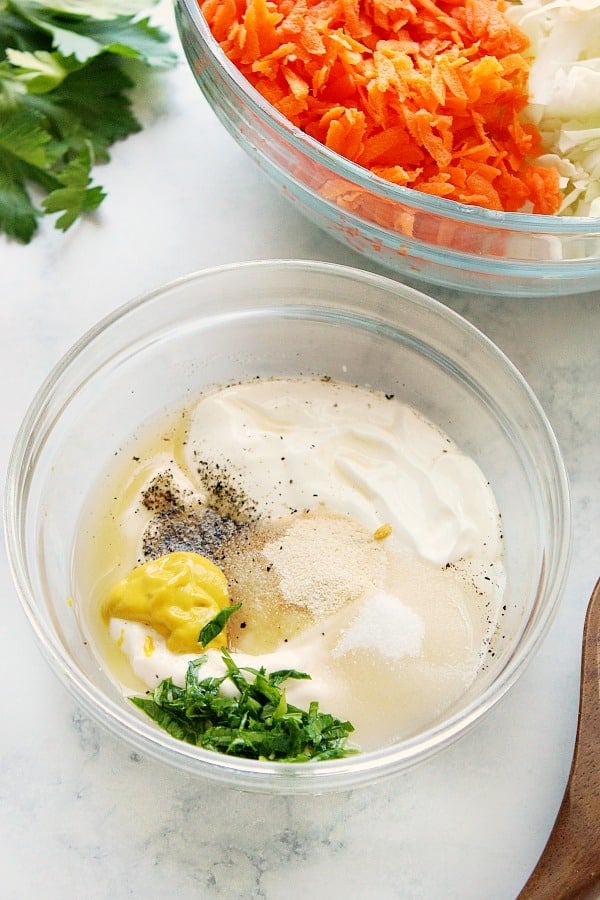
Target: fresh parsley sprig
[
  {"x": 65, "y": 70},
  {"x": 256, "y": 723}
]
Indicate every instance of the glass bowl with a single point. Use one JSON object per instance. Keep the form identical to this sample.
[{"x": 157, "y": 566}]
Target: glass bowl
[
  {"x": 282, "y": 318},
  {"x": 406, "y": 231}
]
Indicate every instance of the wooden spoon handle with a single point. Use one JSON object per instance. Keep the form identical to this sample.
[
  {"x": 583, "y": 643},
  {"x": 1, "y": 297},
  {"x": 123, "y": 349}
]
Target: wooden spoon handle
[{"x": 569, "y": 867}]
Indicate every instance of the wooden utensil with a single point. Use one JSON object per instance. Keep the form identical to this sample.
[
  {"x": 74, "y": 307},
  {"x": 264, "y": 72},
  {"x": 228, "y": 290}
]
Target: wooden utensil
[{"x": 569, "y": 867}]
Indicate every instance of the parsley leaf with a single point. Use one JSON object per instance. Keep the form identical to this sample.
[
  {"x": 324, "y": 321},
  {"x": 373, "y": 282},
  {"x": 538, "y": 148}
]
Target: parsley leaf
[
  {"x": 256, "y": 723},
  {"x": 74, "y": 195},
  {"x": 65, "y": 70},
  {"x": 85, "y": 36},
  {"x": 216, "y": 625}
]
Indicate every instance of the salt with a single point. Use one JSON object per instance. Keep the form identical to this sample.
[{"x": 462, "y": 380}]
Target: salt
[{"x": 385, "y": 624}]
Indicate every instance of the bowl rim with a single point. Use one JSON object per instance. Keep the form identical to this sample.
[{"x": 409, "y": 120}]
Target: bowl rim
[
  {"x": 263, "y": 776},
  {"x": 568, "y": 226}
]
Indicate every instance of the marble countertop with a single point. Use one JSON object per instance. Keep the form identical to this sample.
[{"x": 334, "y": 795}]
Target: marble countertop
[{"x": 81, "y": 815}]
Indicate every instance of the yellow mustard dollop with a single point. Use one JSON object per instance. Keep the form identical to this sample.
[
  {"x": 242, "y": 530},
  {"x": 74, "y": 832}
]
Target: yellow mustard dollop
[{"x": 176, "y": 595}]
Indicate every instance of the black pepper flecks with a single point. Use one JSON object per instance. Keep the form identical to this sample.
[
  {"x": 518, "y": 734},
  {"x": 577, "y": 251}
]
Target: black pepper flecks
[
  {"x": 178, "y": 526},
  {"x": 195, "y": 532},
  {"x": 162, "y": 494},
  {"x": 225, "y": 497}
]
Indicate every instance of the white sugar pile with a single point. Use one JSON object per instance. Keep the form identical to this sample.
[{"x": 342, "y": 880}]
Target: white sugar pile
[{"x": 386, "y": 624}]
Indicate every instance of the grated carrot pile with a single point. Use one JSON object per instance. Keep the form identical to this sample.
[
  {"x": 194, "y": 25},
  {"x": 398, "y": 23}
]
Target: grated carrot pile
[{"x": 425, "y": 94}]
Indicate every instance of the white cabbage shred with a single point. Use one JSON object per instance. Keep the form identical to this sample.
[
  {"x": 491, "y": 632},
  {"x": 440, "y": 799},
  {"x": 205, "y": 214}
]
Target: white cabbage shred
[{"x": 564, "y": 85}]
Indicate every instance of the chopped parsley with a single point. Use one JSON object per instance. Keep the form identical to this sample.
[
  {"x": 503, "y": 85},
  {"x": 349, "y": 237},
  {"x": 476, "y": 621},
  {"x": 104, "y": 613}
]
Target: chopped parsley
[
  {"x": 65, "y": 69},
  {"x": 216, "y": 625},
  {"x": 256, "y": 723}
]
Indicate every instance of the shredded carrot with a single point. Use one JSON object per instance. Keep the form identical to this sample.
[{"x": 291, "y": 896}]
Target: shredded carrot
[{"x": 424, "y": 93}]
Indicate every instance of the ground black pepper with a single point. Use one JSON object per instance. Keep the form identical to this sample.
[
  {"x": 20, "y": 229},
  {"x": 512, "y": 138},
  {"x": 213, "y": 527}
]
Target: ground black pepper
[{"x": 178, "y": 526}]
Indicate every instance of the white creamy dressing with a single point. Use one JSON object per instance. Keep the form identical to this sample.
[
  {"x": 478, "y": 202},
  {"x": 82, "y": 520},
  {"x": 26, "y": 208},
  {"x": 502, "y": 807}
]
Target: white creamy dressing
[{"x": 404, "y": 648}]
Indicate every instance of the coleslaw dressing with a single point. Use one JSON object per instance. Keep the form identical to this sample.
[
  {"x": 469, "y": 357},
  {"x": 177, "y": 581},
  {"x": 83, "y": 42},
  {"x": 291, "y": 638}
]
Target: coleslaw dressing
[{"x": 368, "y": 551}]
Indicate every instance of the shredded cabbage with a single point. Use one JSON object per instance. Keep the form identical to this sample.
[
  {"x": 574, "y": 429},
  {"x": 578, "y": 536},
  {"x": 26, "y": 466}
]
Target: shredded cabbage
[{"x": 564, "y": 85}]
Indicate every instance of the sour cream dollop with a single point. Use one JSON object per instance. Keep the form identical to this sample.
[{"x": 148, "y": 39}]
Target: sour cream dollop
[{"x": 299, "y": 444}]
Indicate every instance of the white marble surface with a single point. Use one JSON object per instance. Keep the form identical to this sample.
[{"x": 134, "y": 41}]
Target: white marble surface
[{"x": 81, "y": 816}]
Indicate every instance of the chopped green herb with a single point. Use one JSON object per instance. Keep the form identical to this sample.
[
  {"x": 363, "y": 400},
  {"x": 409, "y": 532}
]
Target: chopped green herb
[
  {"x": 256, "y": 723},
  {"x": 216, "y": 625},
  {"x": 65, "y": 69}
]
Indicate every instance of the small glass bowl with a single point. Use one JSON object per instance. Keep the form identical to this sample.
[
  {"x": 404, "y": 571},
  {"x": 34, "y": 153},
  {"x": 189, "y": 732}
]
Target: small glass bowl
[
  {"x": 280, "y": 318},
  {"x": 410, "y": 233}
]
